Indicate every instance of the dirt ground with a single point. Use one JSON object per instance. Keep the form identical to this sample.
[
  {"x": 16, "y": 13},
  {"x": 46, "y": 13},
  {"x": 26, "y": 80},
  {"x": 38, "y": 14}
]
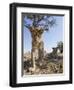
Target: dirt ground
[{"x": 51, "y": 67}]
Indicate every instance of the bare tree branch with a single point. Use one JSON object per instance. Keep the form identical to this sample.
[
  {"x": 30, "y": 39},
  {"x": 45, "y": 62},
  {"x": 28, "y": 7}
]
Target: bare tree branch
[{"x": 36, "y": 19}]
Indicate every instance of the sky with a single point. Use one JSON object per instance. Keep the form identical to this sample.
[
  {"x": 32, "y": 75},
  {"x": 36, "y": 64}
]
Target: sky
[{"x": 50, "y": 38}]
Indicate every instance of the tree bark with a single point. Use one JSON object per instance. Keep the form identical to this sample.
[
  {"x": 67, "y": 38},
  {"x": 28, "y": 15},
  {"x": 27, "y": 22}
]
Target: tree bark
[{"x": 37, "y": 52}]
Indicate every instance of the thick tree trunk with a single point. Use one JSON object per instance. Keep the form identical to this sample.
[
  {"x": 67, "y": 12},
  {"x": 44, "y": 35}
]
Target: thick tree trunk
[
  {"x": 34, "y": 57},
  {"x": 41, "y": 51},
  {"x": 37, "y": 52}
]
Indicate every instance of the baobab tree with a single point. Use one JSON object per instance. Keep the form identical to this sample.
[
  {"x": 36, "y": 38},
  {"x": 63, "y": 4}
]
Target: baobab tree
[{"x": 37, "y": 24}]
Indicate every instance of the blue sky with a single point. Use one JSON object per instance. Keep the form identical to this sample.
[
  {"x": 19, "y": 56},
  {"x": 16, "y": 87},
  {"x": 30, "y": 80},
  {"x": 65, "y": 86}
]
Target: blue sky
[{"x": 50, "y": 38}]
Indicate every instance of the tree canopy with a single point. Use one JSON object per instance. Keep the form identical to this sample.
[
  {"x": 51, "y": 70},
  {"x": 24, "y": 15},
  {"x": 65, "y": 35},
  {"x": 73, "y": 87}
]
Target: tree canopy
[
  {"x": 39, "y": 21},
  {"x": 60, "y": 44}
]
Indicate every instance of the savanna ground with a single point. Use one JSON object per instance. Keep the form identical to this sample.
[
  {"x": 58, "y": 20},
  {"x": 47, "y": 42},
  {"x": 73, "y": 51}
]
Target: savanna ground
[{"x": 52, "y": 66}]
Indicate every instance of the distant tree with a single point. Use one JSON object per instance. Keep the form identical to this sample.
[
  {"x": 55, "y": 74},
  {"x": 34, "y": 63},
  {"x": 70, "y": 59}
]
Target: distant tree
[{"x": 60, "y": 46}]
